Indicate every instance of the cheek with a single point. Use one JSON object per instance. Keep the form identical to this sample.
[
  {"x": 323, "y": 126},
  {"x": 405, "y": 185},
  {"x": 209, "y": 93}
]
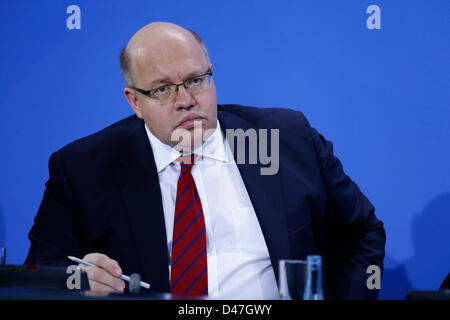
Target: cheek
[
  {"x": 212, "y": 96},
  {"x": 209, "y": 104},
  {"x": 160, "y": 124}
]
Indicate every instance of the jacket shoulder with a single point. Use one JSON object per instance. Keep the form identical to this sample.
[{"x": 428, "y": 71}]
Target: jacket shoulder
[
  {"x": 105, "y": 142},
  {"x": 266, "y": 117}
]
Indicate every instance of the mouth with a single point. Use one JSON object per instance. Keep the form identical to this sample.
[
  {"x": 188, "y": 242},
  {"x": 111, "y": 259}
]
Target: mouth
[{"x": 189, "y": 121}]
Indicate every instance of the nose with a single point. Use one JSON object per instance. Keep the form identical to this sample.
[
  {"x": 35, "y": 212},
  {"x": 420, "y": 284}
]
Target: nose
[{"x": 183, "y": 99}]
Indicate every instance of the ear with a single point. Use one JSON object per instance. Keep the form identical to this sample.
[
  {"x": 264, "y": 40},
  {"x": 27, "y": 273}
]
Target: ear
[{"x": 130, "y": 95}]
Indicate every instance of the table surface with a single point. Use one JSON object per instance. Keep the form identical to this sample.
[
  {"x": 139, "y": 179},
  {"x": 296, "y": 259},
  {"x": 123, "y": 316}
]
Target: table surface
[{"x": 17, "y": 293}]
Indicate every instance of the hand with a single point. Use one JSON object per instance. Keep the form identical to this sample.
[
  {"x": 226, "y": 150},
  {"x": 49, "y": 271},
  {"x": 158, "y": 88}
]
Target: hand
[{"x": 105, "y": 276}]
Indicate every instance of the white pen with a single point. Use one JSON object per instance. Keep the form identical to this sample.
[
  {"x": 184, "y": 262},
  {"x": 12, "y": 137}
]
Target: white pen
[{"x": 122, "y": 276}]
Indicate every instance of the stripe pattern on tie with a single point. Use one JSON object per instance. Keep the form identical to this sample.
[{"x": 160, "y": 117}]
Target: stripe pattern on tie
[{"x": 189, "y": 274}]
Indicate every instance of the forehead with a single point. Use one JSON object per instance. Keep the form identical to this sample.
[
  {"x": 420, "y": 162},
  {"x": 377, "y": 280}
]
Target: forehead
[{"x": 172, "y": 57}]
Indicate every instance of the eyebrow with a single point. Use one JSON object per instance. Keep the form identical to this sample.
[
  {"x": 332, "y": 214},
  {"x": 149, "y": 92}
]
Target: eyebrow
[
  {"x": 159, "y": 81},
  {"x": 165, "y": 80}
]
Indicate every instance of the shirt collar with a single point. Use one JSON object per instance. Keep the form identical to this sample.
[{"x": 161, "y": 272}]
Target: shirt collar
[{"x": 213, "y": 149}]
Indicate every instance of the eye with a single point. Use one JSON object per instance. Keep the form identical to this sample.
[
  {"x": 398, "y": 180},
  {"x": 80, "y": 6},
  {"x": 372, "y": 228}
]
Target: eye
[
  {"x": 196, "y": 81},
  {"x": 161, "y": 90}
]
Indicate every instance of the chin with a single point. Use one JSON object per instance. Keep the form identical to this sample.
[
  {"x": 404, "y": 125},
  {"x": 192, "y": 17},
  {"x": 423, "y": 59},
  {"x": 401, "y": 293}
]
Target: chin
[{"x": 188, "y": 144}]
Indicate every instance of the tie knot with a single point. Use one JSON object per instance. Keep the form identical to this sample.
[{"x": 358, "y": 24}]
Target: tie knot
[{"x": 187, "y": 162}]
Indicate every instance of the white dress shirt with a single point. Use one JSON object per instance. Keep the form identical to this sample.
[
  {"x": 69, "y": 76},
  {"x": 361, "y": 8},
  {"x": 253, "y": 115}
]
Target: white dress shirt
[{"x": 239, "y": 265}]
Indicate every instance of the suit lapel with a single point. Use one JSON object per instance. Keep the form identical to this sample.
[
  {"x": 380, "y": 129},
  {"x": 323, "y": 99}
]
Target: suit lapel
[
  {"x": 265, "y": 194},
  {"x": 137, "y": 177}
]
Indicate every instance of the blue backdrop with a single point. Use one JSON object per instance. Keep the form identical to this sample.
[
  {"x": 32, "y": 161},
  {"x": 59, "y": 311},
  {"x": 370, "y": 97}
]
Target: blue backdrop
[{"x": 381, "y": 95}]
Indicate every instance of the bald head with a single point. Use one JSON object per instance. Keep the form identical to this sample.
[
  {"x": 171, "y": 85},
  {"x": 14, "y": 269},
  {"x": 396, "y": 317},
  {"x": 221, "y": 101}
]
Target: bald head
[
  {"x": 155, "y": 41},
  {"x": 160, "y": 57}
]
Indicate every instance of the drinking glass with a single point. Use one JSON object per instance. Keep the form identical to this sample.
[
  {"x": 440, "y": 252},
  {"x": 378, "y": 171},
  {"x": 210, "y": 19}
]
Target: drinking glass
[
  {"x": 292, "y": 279},
  {"x": 2, "y": 256}
]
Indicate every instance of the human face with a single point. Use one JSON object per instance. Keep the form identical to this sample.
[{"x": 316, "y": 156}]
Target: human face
[{"x": 173, "y": 59}]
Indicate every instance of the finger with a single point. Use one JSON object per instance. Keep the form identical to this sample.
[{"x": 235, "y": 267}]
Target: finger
[
  {"x": 101, "y": 276},
  {"x": 103, "y": 261},
  {"x": 100, "y": 287}
]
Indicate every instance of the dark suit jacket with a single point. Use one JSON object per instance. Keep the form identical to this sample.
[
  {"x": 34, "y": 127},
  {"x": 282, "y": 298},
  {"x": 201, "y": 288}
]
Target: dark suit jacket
[{"x": 103, "y": 195}]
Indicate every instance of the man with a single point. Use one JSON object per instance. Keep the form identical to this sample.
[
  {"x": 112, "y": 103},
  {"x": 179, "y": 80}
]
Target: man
[{"x": 140, "y": 197}]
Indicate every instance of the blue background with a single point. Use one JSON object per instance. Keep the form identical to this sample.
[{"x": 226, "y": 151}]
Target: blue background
[{"x": 381, "y": 96}]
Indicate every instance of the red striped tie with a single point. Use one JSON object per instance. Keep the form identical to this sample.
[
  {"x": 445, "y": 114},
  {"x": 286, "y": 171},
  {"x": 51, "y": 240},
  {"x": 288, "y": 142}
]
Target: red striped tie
[{"x": 189, "y": 274}]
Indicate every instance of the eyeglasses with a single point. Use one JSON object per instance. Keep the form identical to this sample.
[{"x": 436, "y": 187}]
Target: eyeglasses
[{"x": 167, "y": 92}]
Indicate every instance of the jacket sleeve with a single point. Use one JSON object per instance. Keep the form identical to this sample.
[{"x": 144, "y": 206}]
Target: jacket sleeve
[
  {"x": 57, "y": 230},
  {"x": 354, "y": 237}
]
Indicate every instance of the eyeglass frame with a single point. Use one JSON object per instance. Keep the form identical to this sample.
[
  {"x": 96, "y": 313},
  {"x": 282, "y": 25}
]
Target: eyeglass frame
[{"x": 149, "y": 93}]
